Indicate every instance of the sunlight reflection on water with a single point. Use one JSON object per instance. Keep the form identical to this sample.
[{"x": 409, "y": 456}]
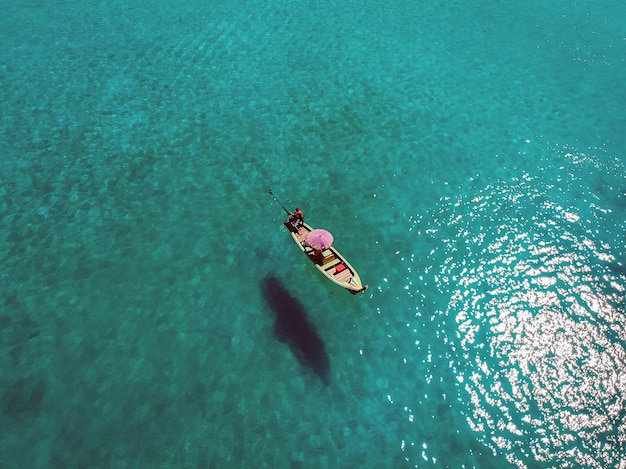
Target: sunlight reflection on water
[{"x": 540, "y": 319}]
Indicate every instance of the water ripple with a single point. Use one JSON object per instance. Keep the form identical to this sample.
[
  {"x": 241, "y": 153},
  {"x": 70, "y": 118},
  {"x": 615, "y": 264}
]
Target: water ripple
[{"x": 538, "y": 298}]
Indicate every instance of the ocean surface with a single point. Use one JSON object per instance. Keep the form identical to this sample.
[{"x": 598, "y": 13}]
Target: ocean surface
[{"x": 468, "y": 156}]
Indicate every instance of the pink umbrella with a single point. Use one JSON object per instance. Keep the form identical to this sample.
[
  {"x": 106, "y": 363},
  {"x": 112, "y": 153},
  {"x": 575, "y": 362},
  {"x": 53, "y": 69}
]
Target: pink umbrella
[{"x": 319, "y": 239}]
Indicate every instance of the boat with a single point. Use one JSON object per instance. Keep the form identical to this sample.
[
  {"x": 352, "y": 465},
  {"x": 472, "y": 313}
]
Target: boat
[{"x": 329, "y": 261}]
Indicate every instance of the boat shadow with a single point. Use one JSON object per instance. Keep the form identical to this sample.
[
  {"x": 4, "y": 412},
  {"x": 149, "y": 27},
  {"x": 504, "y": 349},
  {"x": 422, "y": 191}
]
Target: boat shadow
[{"x": 292, "y": 327}]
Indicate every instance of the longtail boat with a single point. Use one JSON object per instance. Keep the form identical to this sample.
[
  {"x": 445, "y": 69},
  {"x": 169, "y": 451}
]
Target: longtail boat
[{"x": 328, "y": 260}]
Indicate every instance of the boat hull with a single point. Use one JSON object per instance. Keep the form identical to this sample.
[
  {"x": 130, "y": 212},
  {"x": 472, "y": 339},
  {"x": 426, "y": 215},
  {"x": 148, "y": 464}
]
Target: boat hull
[{"x": 329, "y": 262}]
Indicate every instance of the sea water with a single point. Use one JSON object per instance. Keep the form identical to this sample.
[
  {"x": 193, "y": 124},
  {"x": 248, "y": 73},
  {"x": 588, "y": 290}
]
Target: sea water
[{"x": 467, "y": 156}]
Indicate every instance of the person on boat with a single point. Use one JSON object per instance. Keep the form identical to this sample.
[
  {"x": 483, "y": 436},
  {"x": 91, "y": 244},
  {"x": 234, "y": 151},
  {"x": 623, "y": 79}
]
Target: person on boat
[
  {"x": 296, "y": 219},
  {"x": 299, "y": 216}
]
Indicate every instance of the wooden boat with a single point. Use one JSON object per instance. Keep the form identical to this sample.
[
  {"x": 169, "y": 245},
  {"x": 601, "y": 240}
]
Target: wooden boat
[{"x": 329, "y": 262}]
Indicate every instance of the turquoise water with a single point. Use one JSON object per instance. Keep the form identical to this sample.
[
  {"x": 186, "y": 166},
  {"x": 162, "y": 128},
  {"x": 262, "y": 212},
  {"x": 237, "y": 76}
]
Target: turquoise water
[{"x": 467, "y": 156}]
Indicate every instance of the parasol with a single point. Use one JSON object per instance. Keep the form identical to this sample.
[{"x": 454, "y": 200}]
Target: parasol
[{"x": 319, "y": 239}]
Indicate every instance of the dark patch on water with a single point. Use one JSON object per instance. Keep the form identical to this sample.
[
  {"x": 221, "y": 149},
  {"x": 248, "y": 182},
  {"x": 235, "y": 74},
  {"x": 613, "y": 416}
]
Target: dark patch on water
[
  {"x": 17, "y": 333},
  {"x": 292, "y": 327},
  {"x": 617, "y": 269},
  {"x": 24, "y": 395}
]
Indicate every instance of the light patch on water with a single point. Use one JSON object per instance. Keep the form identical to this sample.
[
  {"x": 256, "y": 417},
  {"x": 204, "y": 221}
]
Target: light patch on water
[{"x": 540, "y": 321}]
